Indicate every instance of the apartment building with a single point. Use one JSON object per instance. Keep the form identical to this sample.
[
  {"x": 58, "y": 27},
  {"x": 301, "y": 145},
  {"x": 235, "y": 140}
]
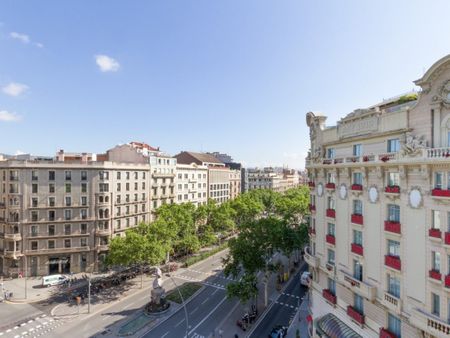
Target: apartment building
[
  {"x": 192, "y": 183},
  {"x": 380, "y": 215},
  {"x": 235, "y": 183},
  {"x": 57, "y": 215},
  {"x": 218, "y": 173},
  {"x": 276, "y": 179}
]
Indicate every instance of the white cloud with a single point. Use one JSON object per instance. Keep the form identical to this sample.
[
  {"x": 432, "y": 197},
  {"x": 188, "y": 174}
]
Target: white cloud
[
  {"x": 39, "y": 45},
  {"x": 106, "y": 63},
  {"x": 18, "y": 36},
  {"x": 19, "y": 152},
  {"x": 6, "y": 116},
  {"x": 14, "y": 89}
]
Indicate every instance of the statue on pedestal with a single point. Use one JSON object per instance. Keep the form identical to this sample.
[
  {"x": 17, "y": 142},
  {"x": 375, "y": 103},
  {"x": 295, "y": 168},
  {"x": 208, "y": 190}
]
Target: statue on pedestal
[{"x": 158, "y": 291}]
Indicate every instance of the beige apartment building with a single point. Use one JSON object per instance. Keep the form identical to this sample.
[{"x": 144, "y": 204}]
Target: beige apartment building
[
  {"x": 380, "y": 215},
  {"x": 268, "y": 178},
  {"x": 57, "y": 215},
  {"x": 235, "y": 183},
  {"x": 192, "y": 183}
]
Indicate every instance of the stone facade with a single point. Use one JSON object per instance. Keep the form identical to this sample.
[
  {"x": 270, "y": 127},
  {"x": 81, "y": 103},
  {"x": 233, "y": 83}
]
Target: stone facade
[
  {"x": 192, "y": 184},
  {"x": 380, "y": 213},
  {"x": 235, "y": 183}
]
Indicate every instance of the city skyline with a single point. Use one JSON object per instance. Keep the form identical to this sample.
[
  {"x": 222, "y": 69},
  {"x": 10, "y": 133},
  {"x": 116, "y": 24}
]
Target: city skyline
[{"x": 204, "y": 76}]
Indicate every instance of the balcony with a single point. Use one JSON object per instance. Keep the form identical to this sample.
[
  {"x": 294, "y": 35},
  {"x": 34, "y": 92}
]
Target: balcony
[
  {"x": 392, "y": 189},
  {"x": 12, "y": 254},
  {"x": 312, "y": 208},
  {"x": 357, "y": 219},
  {"x": 312, "y": 231},
  {"x": 385, "y": 333},
  {"x": 2, "y": 205},
  {"x": 447, "y": 281},
  {"x": 392, "y": 303},
  {"x": 429, "y": 323},
  {"x": 356, "y": 187},
  {"x": 362, "y": 288},
  {"x": 436, "y": 275},
  {"x": 329, "y": 296},
  {"x": 355, "y": 315},
  {"x": 330, "y": 186},
  {"x": 57, "y": 250},
  {"x": 331, "y": 213},
  {"x": 311, "y": 260},
  {"x": 357, "y": 249},
  {"x": 102, "y": 247},
  {"x": 13, "y": 237},
  {"x": 393, "y": 262},
  {"x": 434, "y": 233},
  {"x": 102, "y": 232},
  {"x": 331, "y": 239},
  {"x": 331, "y": 268},
  {"x": 439, "y": 193},
  {"x": 392, "y": 226}
]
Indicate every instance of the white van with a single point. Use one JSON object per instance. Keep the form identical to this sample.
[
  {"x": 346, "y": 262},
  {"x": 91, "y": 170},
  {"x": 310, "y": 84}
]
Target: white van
[
  {"x": 305, "y": 279},
  {"x": 53, "y": 280}
]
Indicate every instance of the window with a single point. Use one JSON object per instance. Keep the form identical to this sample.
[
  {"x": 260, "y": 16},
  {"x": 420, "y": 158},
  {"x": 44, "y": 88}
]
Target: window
[
  {"x": 51, "y": 244},
  {"x": 331, "y": 256},
  {"x": 51, "y": 188},
  {"x": 51, "y": 215},
  {"x": 127, "y": 186},
  {"x": 393, "y": 285},
  {"x": 332, "y": 286},
  {"x": 34, "y": 216},
  {"x": 331, "y": 203},
  {"x": 67, "y": 229},
  {"x": 393, "y": 145},
  {"x": 83, "y": 242},
  {"x": 331, "y": 153},
  {"x": 83, "y": 175},
  {"x": 127, "y": 174},
  {"x": 51, "y": 175},
  {"x": 359, "y": 303},
  {"x": 135, "y": 185},
  {"x": 435, "y": 219},
  {"x": 331, "y": 178},
  {"x": 357, "y": 270},
  {"x": 34, "y": 188},
  {"x": 67, "y": 243},
  {"x": 68, "y": 201},
  {"x": 394, "y": 179},
  {"x": 435, "y": 305},
  {"x": 51, "y": 230},
  {"x": 357, "y": 207},
  {"x": 357, "y": 150},
  {"x": 331, "y": 229},
  {"x": 67, "y": 215},
  {"x": 357, "y": 178},
  {"x": 393, "y": 248},
  {"x": 34, "y": 175},
  {"x": 103, "y": 187},
  {"x": 357, "y": 237},
  {"x": 393, "y": 213},
  {"x": 34, "y": 202},
  {"x": 438, "y": 180},
  {"x": 83, "y": 200},
  {"x": 68, "y": 188},
  {"x": 34, "y": 245},
  {"x": 34, "y": 230},
  {"x": 436, "y": 261},
  {"x": 83, "y": 228},
  {"x": 83, "y": 213},
  {"x": 68, "y": 175},
  {"x": 395, "y": 325}
]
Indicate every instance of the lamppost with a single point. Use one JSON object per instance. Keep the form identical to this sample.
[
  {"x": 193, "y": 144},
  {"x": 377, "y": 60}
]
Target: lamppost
[{"x": 182, "y": 299}]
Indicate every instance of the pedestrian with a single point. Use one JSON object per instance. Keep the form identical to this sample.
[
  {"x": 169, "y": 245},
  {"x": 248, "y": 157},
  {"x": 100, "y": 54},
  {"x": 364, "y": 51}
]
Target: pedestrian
[{"x": 236, "y": 336}]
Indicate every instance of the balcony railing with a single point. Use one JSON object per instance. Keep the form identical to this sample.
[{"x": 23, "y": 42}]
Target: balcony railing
[
  {"x": 357, "y": 249},
  {"x": 430, "y": 323},
  {"x": 357, "y": 219},
  {"x": 392, "y": 189},
  {"x": 331, "y": 213},
  {"x": 311, "y": 260},
  {"x": 102, "y": 232},
  {"x": 329, "y": 296},
  {"x": 330, "y": 186},
  {"x": 435, "y": 233},
  {"x": 438, "y": 152},
  {"x": 356, "y": 187},
  {"x": 355, "y": 315},
  {"x": 393, "y": 262},
  {"x": 440, "y": 193},
  {"x": 331, "y": 239},
  {"x": 385, "y": 333},
  {"x": 13, "y": 237},
  {"x": 434, "y": 274},
  {"x": 392, "y": 226},
  {"x": 362, "y": 288},
  {"x": 391, "y": 302}
]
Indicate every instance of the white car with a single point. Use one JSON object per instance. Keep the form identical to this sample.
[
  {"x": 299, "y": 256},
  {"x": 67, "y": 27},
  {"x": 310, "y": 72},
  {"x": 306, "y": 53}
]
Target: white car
[{"x": 305, "y": 278}]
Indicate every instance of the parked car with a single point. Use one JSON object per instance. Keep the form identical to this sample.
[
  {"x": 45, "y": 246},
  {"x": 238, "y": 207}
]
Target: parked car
[
  {"x": 53, "y": 280},
  {"x": 305, "y": 278},
  {"x": 278, "y": 331}
]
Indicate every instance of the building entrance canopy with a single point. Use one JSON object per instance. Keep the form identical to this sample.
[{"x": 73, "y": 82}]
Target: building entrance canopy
[{"x": 332, "y": 327}]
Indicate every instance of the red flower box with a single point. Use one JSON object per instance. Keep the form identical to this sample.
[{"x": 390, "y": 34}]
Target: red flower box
[
  {"x": 357, "y": 187},
  {"x": 312, "y": 207},
  {"x": 331, "y": 239},
  {"x": 312, "y": 231},
  {"x": 331, "y": 213},
  {"x": 436, "y": 233},
  {"x": 447, "y": 238},
  {"x": 357, "y": 219},
  {"x": 329, "y": 296},
  {"x": 447, "y": 281},
  {"x": 394, "y": 227},
  {"x": 311, "y": 184},
  {"x": 385, "y": 333},
  {"x": 330, "y": 186},
  {"x": 393, "y": 262},
  {"x": 440, "y": 193},
  {"x": 327, "y": 161},
  {"x": 355, "y": 315},
  {"x": 357, "y": 249},
  {"x": 435, "y": 275},
  {"x": 392, "y": 189}
]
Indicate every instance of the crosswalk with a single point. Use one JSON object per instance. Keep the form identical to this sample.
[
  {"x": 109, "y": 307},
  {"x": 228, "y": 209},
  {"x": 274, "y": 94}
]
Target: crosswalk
[
  {"x": 192, "y": 279},
  {"x": 39, "y": 326},
  {"x": 196, "y": 335}
]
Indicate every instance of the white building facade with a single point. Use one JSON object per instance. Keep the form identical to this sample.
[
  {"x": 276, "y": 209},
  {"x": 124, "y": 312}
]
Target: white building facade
[{"x": 192, "y": 184}]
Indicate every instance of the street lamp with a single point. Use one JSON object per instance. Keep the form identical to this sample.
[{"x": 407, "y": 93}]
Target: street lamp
[{"x": 182, "y": 299}]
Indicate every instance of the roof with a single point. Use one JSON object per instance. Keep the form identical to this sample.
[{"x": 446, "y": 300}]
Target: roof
[
  {"x": 142, "y": 145},
  {"x": 333, "y": 327},
  {"x": 188, "y": 157}
]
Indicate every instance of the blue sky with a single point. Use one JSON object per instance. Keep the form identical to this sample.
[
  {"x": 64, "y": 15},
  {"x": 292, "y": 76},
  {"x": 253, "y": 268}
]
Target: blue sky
[{"x": 233, "y": 76}]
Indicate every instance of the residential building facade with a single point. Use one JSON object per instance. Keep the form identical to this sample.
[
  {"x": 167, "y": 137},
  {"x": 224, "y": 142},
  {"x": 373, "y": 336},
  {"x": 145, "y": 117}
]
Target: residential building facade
[
  {"x": 276, "y": 179},
  {"x": 380, "y": 215},
  {"x": 192, "y": 184},
  {"x": 235, "y": 183}
]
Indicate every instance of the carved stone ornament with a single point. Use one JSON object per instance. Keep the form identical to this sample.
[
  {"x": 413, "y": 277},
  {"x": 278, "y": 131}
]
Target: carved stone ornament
[
  {"x": 413, "y": 145},
  {"x": 425, "y": 173},
  {"x": 445, "y": 93},
  {"x": 316, "y": 156},
  {"x": 343, "y": 191},
  {"x": 320, "y": 189},
  {"x": 415, "y": 198},
  {"x": 373, "y": 194}
]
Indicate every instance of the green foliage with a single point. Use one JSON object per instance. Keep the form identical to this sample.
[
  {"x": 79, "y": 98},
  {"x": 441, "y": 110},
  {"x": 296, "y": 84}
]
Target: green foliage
[
  {"x": 407, "y": 98},
  {"x": 194, "y": 259},
  {"x": 245, "y": 289},
  {"x": 186, "y": 290}
]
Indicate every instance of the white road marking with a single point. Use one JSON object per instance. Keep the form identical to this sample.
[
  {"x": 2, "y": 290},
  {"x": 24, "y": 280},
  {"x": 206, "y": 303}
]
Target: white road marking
[
  {"x": 211, "y": 312},
  {"x": 195, "y": 309},
  {"x": 9, "y": 330},
  {"x": 207, "y": 298},
  {"x": 30, "y": 321},
  {"x": 215, "y": 291},
  {"x": 165, "y": 334},
  {"x": 179, "y": 323}
]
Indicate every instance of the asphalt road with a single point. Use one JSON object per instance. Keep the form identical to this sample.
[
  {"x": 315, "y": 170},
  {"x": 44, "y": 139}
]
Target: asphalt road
[{"x": 283, "y": 309}]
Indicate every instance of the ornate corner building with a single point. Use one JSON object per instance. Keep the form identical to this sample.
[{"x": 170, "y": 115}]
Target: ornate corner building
[{"x": 380, "y": 215}]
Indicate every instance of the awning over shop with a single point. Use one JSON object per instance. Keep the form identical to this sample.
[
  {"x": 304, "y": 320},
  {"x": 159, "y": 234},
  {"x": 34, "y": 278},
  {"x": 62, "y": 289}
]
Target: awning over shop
[{"x": 332, "y": 327}]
